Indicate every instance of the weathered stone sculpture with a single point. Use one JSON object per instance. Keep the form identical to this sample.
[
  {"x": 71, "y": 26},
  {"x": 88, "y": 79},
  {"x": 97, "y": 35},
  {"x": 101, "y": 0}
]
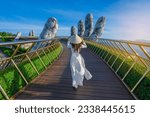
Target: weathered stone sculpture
[
  {"x": 31, "y": 33},
  {"x": 81, "y": 28},
  {"x": 88, "y": 25},
  {"x": 99, "y": 28},
  {"x": 50, "y": 29},
  {"x": 17, "y": 36},
  {"x": 73, "y": 30},
  {"x": 49, "y": 32}
]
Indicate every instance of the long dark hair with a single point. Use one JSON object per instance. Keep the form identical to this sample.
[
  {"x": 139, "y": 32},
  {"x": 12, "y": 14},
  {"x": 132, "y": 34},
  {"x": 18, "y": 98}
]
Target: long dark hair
[{"x": 77, "y": 47}]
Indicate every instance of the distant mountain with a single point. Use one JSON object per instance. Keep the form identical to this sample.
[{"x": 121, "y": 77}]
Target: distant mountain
[{"x": 142, "y": 40}]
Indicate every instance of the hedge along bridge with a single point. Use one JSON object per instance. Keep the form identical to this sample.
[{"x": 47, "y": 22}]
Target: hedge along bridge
[
  {"x": 23, "y": 65},
  {"x": 120, "y": 69}
]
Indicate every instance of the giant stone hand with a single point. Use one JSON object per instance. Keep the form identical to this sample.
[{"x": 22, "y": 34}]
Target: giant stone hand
[
  {"x": 73, "y": 30},
  {"x": 88, "y": 25},
  {"x": 99, "y": 28},
  {"x": 81, "y": 28},
  {"x": 50, "y": 29}
]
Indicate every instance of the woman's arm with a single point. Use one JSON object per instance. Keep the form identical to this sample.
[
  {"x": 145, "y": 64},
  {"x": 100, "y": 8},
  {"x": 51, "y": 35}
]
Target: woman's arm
[
  {"x": 84, "y": 45},
  {"x": 69, "y": 45}
]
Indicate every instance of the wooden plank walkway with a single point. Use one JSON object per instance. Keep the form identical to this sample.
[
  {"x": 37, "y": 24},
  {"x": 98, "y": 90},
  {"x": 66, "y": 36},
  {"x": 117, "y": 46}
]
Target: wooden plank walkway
[{"x": 55, "y": 82}]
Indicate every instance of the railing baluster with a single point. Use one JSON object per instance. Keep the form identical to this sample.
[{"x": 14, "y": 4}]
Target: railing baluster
[
  {"x": 112, "y": 51},
  {"x": 41, "y": 60},
  {"x": 108, "y": 52},
  {"x": 4, "y": 93},
  {"x": 19, "y": 71},
  {"x": 140, "y": 80},
  {"x": 125, "y": 57},
  {"x": 116, "y": 56},
  {"x": 108, "y": 48},
  {"x": 32, "y": 64},
  {"x": 43, "y": 46}
]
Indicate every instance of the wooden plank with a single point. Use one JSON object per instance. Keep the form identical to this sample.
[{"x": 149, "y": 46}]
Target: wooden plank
[{"x": 55, "y": 83}]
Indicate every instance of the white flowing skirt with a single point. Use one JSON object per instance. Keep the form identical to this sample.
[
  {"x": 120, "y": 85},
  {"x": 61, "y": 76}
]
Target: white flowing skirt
[{"x": 78, "y": 70}]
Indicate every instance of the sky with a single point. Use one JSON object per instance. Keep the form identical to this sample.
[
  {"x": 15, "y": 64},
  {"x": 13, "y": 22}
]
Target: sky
[{"x": 125, "y": 19}]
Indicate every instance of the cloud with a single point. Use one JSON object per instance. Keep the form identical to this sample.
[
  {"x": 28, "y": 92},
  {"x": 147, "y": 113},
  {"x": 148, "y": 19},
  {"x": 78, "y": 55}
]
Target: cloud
[
  {"x": 20, "y": 23},
  {"x": 130, "y": 21},
  {"x": 126, "y": 19},
  {"x": 19, "y": 27},
  {"x": 15, "y": 27}
]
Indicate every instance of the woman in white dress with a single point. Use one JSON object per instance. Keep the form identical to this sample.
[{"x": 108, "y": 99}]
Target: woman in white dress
[{"x": 78, "y": 69}]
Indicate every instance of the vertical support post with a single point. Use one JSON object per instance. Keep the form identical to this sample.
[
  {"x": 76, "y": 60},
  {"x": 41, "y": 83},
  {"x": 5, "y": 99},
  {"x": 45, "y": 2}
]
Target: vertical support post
[
  {"x": 53, "y": 50},
  {"x": 45, "y": 54},
  {"x": 148, "y": 69},
  {"x": 145, "y": 52},
  {"x": 125, "y": 57},
  {"x": 102, "y": 51},
  {"x": 129, "y": 70},
  {"x": 13, "y": 54},
  {"x": 116, "y": 57},
  {"x": 49, "y": 52},
  {"x": 4, "y": 93},
  {"x": 140, "y": 80},
  {"x": 19, "y": 71},
  {"x": 132, "y": 64},
  {"x": 107, "y": 50},
  {"x": 41, "y": 59},
  {"x": 32, "y": 64},
  {"x": 111, "y": 51}
]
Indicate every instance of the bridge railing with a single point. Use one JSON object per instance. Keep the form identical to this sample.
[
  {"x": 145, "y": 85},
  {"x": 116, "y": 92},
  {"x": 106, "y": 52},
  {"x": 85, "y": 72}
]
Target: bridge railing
[
  {"x": 22, "y": 61},
  {"x": 129, "y": 60}
]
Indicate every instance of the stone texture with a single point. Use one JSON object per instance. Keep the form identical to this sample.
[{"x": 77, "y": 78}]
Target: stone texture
[
  {"x": 81, "y": 28},
  {"x": 50, "y": 29},
  {"x": 49, "y": 32},
  {"x": 17, "y": 36},
  {"x": 73, "y": 30},
  {"x": 99, "y": 28},
  {"x": 31, "y": 33},
  {"x": 88, "y": 25}
]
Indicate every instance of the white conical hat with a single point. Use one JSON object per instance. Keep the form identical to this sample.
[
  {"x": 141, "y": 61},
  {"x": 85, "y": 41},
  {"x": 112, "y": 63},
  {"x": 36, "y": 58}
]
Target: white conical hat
[{"x": 75, "y": 39}]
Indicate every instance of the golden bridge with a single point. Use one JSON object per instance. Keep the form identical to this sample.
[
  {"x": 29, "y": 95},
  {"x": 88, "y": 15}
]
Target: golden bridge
[{"x": 120, "y": 69}]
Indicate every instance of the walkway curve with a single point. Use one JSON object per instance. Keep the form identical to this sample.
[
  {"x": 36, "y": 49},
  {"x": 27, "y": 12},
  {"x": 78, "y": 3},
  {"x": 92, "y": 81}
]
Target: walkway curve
[{"x": 55, "y": 82}]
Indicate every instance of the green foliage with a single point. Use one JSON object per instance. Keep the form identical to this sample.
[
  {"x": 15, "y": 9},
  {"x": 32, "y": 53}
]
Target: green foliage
[
  {"x": 6, "y": 50},
  {"x": 143, "y": 90},
  {"x": 11, "y": 80},
  {"x": 3, "y": 36},
  {"x": 9, "y": 51},
  {"x": 6, "y": 34},
  {"x": 4, "y": 39}
]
